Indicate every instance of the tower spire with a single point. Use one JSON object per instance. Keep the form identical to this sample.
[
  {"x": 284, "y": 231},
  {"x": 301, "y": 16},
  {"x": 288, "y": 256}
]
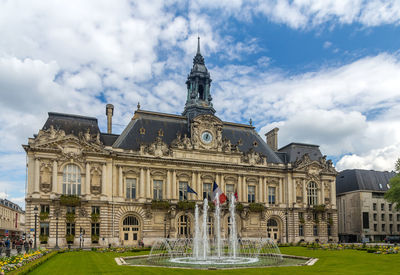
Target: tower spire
[{"x": 198, "y": 45}]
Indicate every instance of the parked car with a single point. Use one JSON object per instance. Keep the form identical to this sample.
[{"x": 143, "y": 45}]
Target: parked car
[{"x": 392, "y": 239}]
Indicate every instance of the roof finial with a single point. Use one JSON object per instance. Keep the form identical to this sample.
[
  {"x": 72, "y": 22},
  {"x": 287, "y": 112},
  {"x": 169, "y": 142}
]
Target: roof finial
[
  {"x": 251, "y": 122},
  {"x": 198, "y": 45},
  {"x": 138, "y": 105}
]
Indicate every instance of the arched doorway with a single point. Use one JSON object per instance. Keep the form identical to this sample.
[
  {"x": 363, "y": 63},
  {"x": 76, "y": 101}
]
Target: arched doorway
[
  {"x": 131, "y": 232},
  {"x": 273, "y": 231}
]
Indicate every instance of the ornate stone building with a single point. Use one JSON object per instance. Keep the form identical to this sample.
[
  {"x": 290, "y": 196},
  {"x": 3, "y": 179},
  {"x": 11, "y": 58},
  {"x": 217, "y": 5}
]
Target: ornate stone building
[{"x": 133, "y": 186}]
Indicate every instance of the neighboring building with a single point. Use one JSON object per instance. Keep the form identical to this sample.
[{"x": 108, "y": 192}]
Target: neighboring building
[
  {"x": 11, "y": 216},
  {"x": 130, "y": 186},
  {"x": 363, "y": 212}
]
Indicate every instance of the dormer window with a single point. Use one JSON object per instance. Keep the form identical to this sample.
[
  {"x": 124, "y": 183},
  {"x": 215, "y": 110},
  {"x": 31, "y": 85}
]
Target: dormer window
[{"x": 142, "y": 131}]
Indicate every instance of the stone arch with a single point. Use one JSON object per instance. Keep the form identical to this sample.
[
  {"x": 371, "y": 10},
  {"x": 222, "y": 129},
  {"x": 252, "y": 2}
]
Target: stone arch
[
  {"x": 123, "y": 213},
  {"x": 280, "y": 218}
]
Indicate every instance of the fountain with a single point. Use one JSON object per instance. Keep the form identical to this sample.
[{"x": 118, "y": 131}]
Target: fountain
[{"x": 201, "y": 251}]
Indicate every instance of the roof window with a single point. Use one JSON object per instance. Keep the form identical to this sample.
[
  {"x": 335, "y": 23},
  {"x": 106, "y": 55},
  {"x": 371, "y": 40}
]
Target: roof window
[
  {"x": 388, "y": 186},
  {"x": 380, "y": 186}
]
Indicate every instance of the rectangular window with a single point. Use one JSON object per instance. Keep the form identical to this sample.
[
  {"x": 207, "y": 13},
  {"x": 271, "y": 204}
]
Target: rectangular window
[
  {"x": 365, "y": 220},
  {"x": 207, "y": 191},
  {"x": 374, "y": 206},
  {"x": 375, "y": 217},
  {"x": 251, "y": 193},
  {"x": 70, "y": 229},
  {"x": 96, "y": 229},
  {"x": 383, "y": 227},
  {"x": 44, "y": 228},
  {"x": 230, "y": 190},
  {"x": 391, "y": 228},
  {"x": 301, "y": 230},
  {"x": 157, "y": 189},
  {"x": 375, "y": 227},
  {"x": 398, "y": 227},
  {"x": 382, "y": 206},
  {"x": 382, "y": 217},
  {"x": 390, "y": 207},
  {"x": 183, "y": 190},
  {"x": 329, "y": 229},
  {"x": 301, "y": 215},
  {"x": 390, "y": 217},
  {"x": 271, "y": 195},
  {"x": 71, "y": 209},
  {"x": 130, "y": 188},
  {"x": 44, "y": 208},
  {"x": 96, "y": 210},
  {"x": 398, "y": 217},
  {"x": 315, "y": 230}
]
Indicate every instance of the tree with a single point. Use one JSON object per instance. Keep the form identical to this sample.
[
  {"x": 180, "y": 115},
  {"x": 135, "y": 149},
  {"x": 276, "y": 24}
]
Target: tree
[{"x": 393, "y": 194}]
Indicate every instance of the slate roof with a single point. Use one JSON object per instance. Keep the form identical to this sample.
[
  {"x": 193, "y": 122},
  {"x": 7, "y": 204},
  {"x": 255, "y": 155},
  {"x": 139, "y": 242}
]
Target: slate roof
[
  {"x": 152, "y": 122},
  {"x": 295, "y": 150},
  {"x": 357, "y": 179},
  {"x": 72, "y": 124},
  {"x": 108, "y": 139}
]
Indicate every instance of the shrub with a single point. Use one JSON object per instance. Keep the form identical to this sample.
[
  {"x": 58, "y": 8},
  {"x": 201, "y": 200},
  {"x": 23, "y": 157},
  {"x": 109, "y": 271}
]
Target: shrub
[
  {"x": 70, "y": 200},
  {"x": 186, "y": 205},
  {"x": 319, "y": 208},
  {"x": 95, "y": 217},
  {"x": 43, "y": 238},
  {"x": 70, "y": 238},
  {"x": 156, "y": 204},
  {"x": 95, "y": 238},
  {"x": 239, "y": 207},
  {"x": 256, "y": 207},
  {"x": 211, "y": 206},
  {"x": 70, "y": 217},
  {"x": 32, "y": 265},
  {"x": 43, "y": 216}
]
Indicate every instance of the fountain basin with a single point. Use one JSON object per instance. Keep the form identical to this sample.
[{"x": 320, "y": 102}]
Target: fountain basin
[{"x": 215, "y": 261}]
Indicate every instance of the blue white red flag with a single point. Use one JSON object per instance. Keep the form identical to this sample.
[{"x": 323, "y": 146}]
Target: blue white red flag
[{"x": 218, "y": 192}]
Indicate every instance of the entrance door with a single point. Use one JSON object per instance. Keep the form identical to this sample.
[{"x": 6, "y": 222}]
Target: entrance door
[
  {"x": 130, "y": 233},
  {"x": 273, "y": 230}
]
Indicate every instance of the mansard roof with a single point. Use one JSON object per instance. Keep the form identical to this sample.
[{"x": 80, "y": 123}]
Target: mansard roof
[
  {"x": 295, "y": 150},
  {"x": 145, "y": 126},
  {"x": 72, "y": 124},
  {"x": 357, "y": 179}
]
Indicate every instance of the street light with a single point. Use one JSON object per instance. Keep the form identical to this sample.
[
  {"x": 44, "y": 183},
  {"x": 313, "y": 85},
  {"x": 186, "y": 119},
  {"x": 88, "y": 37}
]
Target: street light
[
  {"x": 35, "y": 210},
  {"x": 287, "y": 226}
]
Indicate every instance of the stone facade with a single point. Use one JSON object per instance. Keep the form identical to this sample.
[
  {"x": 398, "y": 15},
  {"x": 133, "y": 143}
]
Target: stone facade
[
  {"x": 133, "y": 186},
  {"x": 12, "y": 219}
]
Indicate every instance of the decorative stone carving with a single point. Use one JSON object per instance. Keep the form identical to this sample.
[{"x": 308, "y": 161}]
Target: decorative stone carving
[
  {"x": 95, "y": 180},
  {"x": 253, "y": 158},
  {"x": 158, "y": 148},
  {"x": 45, "y": 176},
  {"x": 299, "y": 191},
  {"x": 208, "y": 123}
]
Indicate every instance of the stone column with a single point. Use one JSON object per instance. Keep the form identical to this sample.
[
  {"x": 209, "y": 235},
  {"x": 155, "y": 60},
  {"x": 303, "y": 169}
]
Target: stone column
[
  {"x": 37, "y": 176},
  {"x": 223, "y": 185},
  {"x": 148, "y": 188},
  {"x": 193, "y": 186},
  {"x": 260, "y": 190},
  {"x": 141, "y": 184},
  {"x": 104, "y": 180},
  {"x": 199, "y": 186},
  {"x": 294, "y": 190},
  {"x": 304, "y": 192},
  {"x": 54, "y": 186},
  {"x": 174, "y": 186},
  {"x": 265, "y": 191},
  {"x": 244, "y": 189},
  {"x": 86, "y": 190},
  {"x": 322, "y": 193},
  {"x": 281, "y": 199},
  {"x": 333, "y": 193},
  {"x": 168, "y": 195},
  {"x": 120, "y": 182}
]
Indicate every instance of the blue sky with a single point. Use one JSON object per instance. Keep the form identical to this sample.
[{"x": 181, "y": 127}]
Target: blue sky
[{"x": 324, "y": 72}]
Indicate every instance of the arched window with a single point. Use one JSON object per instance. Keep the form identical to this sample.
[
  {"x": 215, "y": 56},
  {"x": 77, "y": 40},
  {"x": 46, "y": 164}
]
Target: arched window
[
  {"x": 183, "y": 226},
  {"x": 72, "y": 180},
  {"x": 201, "y": 92},
  {"x": 131, "y": 229},
  {"x": 272, "y": 222},
  {"x": 312, "y": 193},
  {"x": 210, "y": 225}
]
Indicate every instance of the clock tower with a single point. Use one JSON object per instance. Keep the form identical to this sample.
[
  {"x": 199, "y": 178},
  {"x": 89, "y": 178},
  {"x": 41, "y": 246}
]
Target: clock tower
[{"x": 198, "y": 84}]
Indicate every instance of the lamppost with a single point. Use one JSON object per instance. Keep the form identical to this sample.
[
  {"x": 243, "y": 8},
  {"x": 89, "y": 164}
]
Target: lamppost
[
  {"x": 57, "y": 214},
  {"x": 35, "y": 210},
  {"x": 287, "y": 226}
]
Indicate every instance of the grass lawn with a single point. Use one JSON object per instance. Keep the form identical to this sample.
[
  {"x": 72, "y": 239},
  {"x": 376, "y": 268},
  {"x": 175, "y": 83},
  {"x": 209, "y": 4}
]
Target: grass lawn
[{"x": 330, "y": 262}]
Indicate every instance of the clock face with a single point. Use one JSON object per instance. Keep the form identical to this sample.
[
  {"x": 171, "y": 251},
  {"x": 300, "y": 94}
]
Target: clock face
[{"x": 206, "y": 137}]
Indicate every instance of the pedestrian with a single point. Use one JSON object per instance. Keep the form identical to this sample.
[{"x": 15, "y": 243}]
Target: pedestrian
[
  {"x": 7, "y": 243},
  {"x": 30, "y": 244},
  {"x": 26, "y": 246}
]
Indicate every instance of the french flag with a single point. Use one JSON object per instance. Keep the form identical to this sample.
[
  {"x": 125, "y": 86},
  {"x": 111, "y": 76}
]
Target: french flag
[{"x": 218, "y": 192}]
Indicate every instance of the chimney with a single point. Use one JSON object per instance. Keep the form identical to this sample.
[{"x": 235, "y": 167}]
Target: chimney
[
  {"x": 109, "y": 113},
  {"x": 272, "y": 139}
]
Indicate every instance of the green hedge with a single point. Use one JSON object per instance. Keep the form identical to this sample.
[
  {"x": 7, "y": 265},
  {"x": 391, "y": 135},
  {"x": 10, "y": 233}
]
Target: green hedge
[
  {"x": 32, "y": 265},
  {"x": 256, "y": 207},
  {"x": 186, "y": 205},
  {"x": 70, "y": 200},
  {"x": 155, "y": 204}
]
